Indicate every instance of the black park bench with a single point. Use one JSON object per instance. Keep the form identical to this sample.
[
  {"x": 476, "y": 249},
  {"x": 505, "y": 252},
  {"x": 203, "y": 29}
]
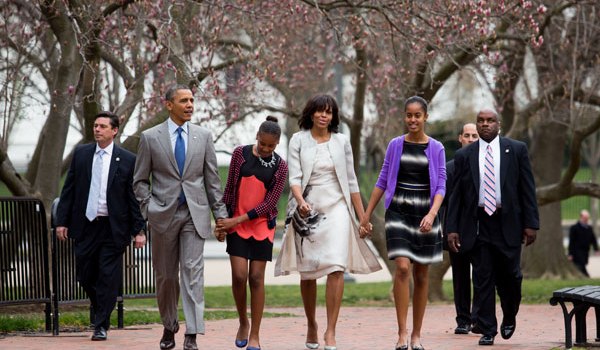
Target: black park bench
[{"x": 582, "y": 298}]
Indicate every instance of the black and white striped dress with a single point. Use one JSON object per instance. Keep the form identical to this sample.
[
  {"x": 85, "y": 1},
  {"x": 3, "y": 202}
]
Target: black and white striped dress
[{"x": 410, "y": 204}]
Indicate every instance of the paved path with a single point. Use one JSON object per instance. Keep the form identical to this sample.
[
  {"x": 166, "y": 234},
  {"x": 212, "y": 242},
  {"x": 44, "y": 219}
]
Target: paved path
[{"x": 539, "y": 327}]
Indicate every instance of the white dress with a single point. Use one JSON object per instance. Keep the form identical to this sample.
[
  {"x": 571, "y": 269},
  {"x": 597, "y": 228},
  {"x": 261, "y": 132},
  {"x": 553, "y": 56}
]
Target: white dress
[{"x": 330, "y": 241}]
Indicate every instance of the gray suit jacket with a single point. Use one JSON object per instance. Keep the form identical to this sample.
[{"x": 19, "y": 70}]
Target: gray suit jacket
[{"x": 200, "y": 180}]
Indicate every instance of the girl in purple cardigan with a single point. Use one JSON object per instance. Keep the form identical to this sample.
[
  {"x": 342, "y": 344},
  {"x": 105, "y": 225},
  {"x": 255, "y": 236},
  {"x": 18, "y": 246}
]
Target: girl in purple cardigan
[{"x": 413, "y": 179}]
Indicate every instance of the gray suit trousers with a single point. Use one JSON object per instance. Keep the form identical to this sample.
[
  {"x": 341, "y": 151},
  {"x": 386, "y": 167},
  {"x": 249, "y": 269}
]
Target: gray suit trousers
[{"x": 178, "y": 254}]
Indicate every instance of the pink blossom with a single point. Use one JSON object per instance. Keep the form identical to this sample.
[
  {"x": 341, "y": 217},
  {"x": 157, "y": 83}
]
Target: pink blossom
[{"x": 542, "y": 9}]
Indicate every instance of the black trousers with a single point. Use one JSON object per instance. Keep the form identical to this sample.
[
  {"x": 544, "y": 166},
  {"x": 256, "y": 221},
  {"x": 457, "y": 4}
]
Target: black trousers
[
  {"x": 461, "y": 284},
  {"x": 581, "y": 267},
  {"x": 496, "y": 267},
  {"x": 99, "y": 269}
]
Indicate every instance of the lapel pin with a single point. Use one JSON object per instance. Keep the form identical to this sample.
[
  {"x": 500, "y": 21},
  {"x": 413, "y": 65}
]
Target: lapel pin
[
  {"x": 117, "y": 159},
  {"x": 506, "y": 150}
]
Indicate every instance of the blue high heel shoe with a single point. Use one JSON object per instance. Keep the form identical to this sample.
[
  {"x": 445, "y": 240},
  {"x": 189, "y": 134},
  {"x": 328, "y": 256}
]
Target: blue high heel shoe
[
  {"x": 241, "y": 343},
  {"x": 252, "y": 348}
]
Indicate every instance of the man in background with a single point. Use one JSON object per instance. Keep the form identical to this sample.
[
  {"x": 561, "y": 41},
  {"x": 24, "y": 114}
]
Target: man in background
[
  {"x": 99, "y": 211},
  {"x": 581, "y": 239},
  {"x": 461, "y": 267}
]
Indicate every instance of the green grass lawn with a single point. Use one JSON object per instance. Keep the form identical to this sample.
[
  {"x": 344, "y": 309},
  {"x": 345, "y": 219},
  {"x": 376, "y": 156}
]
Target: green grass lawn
[{"x": 219, "y": 304}]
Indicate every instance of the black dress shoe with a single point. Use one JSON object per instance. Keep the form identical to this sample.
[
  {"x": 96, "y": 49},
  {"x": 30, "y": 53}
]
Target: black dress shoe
[
  {"x": 168, "y": 338},
  {"x": 189, "y": 343},
  {"x": 507, "y": 330},
  {"x": 462, "y": 329},
  {"x": 99, "y": 334},
  {"x": 486, "y": 340}
]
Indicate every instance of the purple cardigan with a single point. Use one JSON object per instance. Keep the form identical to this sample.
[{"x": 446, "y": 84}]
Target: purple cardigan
[{"x": 391, "y": 165}]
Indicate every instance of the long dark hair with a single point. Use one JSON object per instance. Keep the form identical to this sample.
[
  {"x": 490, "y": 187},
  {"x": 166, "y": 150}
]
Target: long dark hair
[{"x": 320, "y": 103}]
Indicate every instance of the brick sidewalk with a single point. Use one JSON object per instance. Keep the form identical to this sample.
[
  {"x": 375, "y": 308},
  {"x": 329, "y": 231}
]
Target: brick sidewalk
[{"x": 539, "y": 327}]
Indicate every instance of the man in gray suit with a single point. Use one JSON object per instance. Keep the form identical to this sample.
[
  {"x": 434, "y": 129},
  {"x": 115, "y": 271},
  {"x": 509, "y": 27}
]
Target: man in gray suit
[{"x": 180, "y": 158}]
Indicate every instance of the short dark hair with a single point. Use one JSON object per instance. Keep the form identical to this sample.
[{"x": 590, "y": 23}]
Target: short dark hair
[
  {"x": 320, "y": 103},
  {"x": 416, "y": 99},
  {"x": 270, "y": 126},
  {"x": 114, "y": 119},
  {"x": 172, "y": 89}
]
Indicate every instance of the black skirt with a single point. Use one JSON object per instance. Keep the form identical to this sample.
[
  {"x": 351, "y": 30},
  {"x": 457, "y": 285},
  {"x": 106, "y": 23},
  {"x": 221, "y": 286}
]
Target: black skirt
[{"x": 250, "y": 248}]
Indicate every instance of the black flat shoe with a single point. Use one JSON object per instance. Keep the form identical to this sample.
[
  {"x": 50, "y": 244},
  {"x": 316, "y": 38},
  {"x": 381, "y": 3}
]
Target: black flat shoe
[
  {"x": 507, "y": 330},
  {"x": 402, "y": 347},
  {"x": 99, "y": 334},
  {"x": 417, "y": 347},
  {"x": 486, "y": 340}
]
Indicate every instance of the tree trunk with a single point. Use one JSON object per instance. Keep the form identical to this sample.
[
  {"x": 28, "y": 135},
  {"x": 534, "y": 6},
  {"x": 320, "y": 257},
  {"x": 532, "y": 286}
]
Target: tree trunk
[
  {"x": 546, "y": 258},
  {"x": 359, "y": 106},
  {"x": 44, "y": 169}
]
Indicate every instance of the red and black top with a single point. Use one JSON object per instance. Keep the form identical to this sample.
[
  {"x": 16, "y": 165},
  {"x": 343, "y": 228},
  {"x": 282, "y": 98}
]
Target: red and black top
[{"x": 254, "y": 189}]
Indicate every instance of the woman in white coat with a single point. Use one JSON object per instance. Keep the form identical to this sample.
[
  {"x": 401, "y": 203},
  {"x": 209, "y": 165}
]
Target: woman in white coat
[{"x": 323, "y": 237}]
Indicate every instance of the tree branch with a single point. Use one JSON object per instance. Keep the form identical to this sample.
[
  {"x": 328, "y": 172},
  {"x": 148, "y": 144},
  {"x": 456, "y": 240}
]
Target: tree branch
[
  {"x": 579, "y": 135},
  {"x": 118, "y": 65},
  {"x": 556, "y": 192},
  {"x": 16, "y": 184}
]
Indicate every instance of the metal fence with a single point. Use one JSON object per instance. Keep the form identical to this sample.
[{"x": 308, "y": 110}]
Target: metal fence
[
  {"x": 28, "y": 263},
  {"x": 138, "y": 276},
  {"x": 24, "y": 267}
]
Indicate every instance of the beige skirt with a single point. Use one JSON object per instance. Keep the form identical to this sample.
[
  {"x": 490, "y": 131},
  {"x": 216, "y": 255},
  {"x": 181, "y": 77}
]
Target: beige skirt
[{"x": 330, "y": 243}]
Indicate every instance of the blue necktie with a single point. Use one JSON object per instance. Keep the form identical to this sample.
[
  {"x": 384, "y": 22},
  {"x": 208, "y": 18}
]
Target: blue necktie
[
  {"x": 91, "y": 210},
  {"x": 180, "y": 158}
]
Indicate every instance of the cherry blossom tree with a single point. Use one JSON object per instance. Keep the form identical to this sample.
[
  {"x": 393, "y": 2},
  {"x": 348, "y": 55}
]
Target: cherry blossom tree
[{"x": 245, "y": 58}]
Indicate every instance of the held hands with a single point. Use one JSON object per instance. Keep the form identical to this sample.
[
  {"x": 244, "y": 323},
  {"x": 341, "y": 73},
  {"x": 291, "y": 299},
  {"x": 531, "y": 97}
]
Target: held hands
[
  {"x": 221, "y": 228},
  {"x": 365, "y": 227},
  {"x": 226, "y": 224},
  {"x": 220, "y": 235}
]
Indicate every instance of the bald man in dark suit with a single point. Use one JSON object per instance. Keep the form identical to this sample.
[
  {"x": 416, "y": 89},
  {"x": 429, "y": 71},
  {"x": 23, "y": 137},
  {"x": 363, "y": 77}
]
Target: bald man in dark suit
[{"x": 492, "y": 211}]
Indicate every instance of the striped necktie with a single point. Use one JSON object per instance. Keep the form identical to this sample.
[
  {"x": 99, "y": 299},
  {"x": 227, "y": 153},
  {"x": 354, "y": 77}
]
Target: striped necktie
[{"x": 489, "y": 183}]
